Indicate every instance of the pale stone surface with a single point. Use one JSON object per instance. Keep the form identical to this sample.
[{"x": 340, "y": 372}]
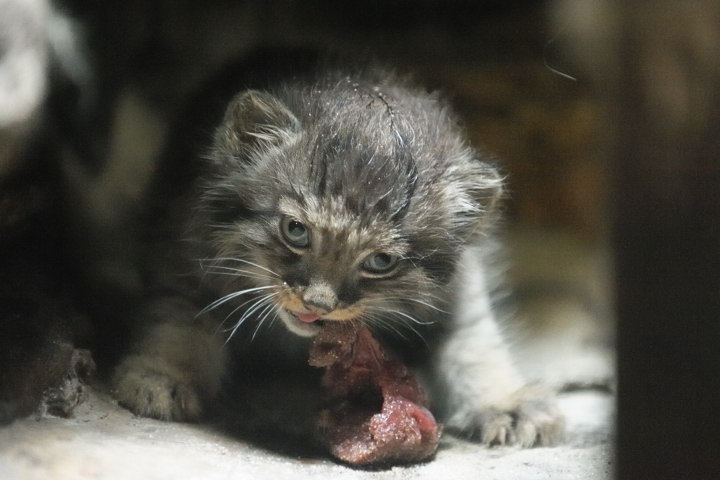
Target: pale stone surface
[{"x": 104, "y": 441}]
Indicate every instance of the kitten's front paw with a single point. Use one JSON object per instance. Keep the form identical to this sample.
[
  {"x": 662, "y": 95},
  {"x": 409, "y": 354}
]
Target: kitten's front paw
[
  {"x": 530, "y": 417},
  {"x": 150, "y": 387}
]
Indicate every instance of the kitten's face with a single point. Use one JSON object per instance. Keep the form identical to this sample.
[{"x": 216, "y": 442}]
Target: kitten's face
[
  {"x": 338, "y": 214},
  {"x": 335, "y": 265}
]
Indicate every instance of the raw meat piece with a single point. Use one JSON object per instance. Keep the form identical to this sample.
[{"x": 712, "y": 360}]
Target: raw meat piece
[{"x": 376, "y": 410}]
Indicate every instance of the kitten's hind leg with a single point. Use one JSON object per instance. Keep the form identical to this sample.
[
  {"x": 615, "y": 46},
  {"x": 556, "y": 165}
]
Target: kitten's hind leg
[{"x": 175, "y": 366}]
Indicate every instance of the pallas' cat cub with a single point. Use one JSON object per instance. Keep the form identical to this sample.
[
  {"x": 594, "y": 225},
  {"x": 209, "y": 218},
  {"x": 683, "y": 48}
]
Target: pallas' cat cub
[{"x": 348, "y": 197}]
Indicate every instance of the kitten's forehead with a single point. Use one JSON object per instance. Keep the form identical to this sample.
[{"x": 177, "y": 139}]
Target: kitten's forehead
[
  {"x": 320, "y": 212},
  {"x": 351, "y": 173}
]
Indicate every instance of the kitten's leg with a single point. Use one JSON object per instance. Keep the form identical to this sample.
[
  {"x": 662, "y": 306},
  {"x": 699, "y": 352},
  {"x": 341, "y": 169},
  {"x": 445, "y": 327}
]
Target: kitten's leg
[
  {"x": 486, "y": 397},
  {"x": 175, "y": 366}
]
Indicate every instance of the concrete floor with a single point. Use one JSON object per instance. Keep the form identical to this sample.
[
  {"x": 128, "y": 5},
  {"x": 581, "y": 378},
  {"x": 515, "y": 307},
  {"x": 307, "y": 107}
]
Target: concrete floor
[{"x": 104, "y": 441}]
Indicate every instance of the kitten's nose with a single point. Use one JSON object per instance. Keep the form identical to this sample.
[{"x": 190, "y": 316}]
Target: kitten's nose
[{"x": 319, "y": 297}]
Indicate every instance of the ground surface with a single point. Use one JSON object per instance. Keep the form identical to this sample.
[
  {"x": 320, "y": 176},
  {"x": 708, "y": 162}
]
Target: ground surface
[{"x": 105, "y": 441}]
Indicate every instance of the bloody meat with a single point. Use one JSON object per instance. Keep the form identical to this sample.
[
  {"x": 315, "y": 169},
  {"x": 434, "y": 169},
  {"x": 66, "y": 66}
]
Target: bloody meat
[{"x": 375, "y": 411}]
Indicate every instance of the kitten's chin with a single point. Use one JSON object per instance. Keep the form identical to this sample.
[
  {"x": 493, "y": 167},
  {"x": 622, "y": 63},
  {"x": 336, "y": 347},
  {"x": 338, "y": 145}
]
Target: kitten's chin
[{"x": 298, "y": 327}]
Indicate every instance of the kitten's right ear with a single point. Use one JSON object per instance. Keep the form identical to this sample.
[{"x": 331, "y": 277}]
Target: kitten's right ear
[{"x": 253, "y": 120}]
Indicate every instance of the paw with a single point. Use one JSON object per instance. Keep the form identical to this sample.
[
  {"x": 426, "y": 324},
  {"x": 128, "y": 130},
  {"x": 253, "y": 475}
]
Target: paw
[
  {"x": 150, "y": 387},
  {"x": 529, "y": 417}
]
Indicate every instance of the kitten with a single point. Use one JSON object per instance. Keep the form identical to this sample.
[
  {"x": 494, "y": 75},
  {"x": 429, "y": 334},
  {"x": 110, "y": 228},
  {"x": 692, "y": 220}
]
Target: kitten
[{"x": 347, "y": 196}]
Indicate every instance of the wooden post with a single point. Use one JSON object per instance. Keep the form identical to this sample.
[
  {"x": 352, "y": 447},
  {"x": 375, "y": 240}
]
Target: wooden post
[{"x": 667, "y": 238}]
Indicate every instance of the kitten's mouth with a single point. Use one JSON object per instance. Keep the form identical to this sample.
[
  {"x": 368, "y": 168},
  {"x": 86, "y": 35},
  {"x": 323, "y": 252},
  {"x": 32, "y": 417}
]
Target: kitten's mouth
[
  {"x": 305, "y": 317},
  {"x": 303, "y": 324},
  {"x": 308, "y": 324}
]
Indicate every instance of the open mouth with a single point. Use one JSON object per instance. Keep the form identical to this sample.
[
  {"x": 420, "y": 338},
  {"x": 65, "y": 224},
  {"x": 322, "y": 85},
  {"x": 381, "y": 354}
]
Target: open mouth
[
  {"x": 307, "y": 324},
  {"x": 305, "y": 317},
  {"x": 303, "y": 324}
]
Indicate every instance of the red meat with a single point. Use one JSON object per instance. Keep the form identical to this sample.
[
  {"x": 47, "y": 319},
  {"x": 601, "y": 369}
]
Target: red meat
[{"x": 376, "y": 411}]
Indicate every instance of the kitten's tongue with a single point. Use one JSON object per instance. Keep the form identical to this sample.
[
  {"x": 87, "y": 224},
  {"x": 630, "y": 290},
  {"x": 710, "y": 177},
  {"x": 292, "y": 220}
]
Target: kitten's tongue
[{"x": 307, "y": 317}]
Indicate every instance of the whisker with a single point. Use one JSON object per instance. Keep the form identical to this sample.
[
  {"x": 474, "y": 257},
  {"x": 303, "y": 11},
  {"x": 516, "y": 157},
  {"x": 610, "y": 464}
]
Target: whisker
[
  {"x": 259, "y": 303},
  {"x": 247, "y": 262},
  {"x": 213, "y": 305},
  {"x": 392, "y": 320},
  {"x": 263, "y": 302},
  {"x": 275, "y": 315},
  {"x": 379, "y": 323},
  {"x": 404, "y": 315},
  {"x": 235, "y": 310},
  {"x": 225, "y": 270},
  {"x": 263, "y": 316},
  {"x": 426, "y": 304},
  {"x": 414, "y": 300}
]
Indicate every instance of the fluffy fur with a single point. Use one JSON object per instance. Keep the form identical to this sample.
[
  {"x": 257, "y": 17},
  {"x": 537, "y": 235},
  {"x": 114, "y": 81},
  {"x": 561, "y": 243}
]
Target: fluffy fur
[{"x": 352, "y": 197}]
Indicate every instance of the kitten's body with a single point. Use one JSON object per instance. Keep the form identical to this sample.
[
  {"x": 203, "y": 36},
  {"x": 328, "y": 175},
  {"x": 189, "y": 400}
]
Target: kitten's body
[{"x": 348, "y": 197}]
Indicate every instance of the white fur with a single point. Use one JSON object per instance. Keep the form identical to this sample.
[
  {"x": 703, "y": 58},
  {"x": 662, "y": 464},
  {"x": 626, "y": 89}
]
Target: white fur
[{"x": 485, "y": 394}]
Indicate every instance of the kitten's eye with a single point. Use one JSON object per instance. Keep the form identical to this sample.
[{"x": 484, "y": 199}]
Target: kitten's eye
[
  {"x": 295, "y": 233},
  {"x": 380, "y": 263}
]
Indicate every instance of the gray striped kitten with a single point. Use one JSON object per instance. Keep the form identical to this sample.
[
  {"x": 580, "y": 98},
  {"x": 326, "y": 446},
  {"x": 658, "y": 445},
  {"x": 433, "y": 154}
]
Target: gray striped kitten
[{"x": 350, "y": 197}]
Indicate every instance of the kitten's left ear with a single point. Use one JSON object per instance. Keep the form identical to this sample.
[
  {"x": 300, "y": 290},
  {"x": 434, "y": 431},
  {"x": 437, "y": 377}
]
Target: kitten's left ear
[
  {"x": 481, "y": 204},
  {"x": 489, "y": 190},
  {"x": 254, "y": 120}
]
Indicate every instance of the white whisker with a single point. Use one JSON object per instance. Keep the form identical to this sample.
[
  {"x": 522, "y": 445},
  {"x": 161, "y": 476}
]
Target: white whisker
[
  {"x": 262, "y": 302},
  {"x": 252, "y": 300},
  {"x": 259, "y": 303},
  {"x": 401, "y": 300},
  {"x": 380, "y": 323},
  {"x": 262, "y": 317},
  {"x": 393, "y": 320},
  {"x": 238, "y": 272},
  {"x": 247, "y": 262},
  {"x": 426, "y": 304},
  {"x": 229, "y": 297},
  {"x": 404, "y": 315}
]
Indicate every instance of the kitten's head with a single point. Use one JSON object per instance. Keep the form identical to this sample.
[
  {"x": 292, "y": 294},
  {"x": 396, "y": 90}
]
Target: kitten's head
[{"x": 343, "y": 200}]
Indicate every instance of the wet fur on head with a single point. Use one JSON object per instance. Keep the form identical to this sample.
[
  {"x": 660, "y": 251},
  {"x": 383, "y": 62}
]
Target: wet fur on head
[{"x": 369, "y": 164}]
